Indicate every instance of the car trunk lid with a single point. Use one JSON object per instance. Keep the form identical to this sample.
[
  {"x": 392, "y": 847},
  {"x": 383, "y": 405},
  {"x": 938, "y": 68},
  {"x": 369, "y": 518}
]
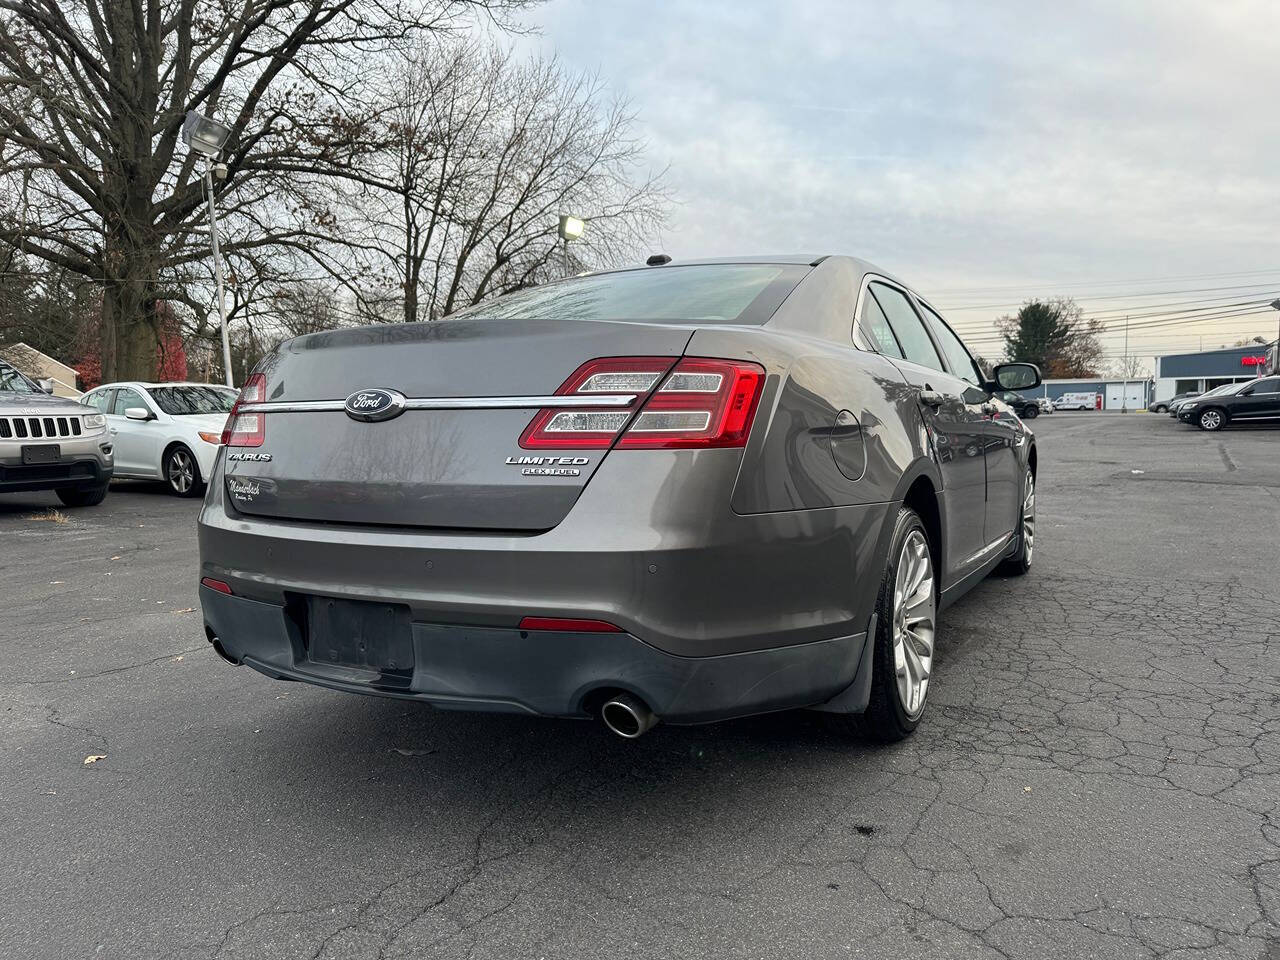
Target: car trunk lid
[{"x": 441, "y": 468}]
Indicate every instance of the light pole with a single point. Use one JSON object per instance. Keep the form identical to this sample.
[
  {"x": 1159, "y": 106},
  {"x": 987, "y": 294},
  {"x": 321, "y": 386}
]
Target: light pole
[
  {"x": 571, "y": 228},
  {"x": 208, "y": 137}
]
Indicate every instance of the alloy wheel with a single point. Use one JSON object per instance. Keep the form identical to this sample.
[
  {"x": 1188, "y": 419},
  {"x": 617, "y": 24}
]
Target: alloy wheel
[
  {"x": 1029, "y": 518},
  {"x": 1211, "y": 419},
  {"x": 182, "y": 472},
  {"x": 914, "y": 609}
]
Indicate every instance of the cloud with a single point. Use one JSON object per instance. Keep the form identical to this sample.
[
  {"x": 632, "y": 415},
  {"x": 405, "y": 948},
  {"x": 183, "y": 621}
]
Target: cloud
[{"x": 960, "y": 145}]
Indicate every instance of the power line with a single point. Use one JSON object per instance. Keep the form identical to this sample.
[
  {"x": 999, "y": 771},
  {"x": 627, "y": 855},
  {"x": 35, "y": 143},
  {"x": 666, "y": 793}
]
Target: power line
[
  {"x": 1148, "y": 325},
  {"x": 1105, "y": 283},
  {"x": 1240, "y": 290}
]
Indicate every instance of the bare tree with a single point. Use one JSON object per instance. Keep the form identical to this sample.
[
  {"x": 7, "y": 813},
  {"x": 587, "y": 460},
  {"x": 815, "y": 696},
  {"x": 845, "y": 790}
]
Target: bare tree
[
  {"x": 1130, "y": 368},
  {"x": 92, "y": 98},
  {"x": 477, "y": 155}
]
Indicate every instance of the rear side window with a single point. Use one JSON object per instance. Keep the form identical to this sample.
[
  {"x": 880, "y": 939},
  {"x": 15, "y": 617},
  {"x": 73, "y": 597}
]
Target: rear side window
[
  {"x": 875, "y": 327},
  {"x": 962, "y": 364},
  {"x": 100, "y": 400},
  {"x": 907, "y": 326},
  {"x": 740, "y": 293},
  {"x": 1267, "y": 386}
]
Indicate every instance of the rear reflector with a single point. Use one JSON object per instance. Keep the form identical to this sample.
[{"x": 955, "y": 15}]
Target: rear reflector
[
  {"x": 568, "y": 625},
  {"x": 247, "y": 429},
  {"x": 697, "y": 403},
  {"x": 219, "y": 585}
]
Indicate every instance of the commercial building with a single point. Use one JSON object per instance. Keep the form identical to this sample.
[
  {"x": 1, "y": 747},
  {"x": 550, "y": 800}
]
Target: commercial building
[
  {"x": 1115, "y": 394},
  {"x": 1206, "y": 369}
]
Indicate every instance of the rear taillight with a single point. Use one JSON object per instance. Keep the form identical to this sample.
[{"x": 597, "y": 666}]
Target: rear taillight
[
  {"x": 247, "y": 429},
  {"x": 581, "y": 428},
  {"x": 697, "y": 403}
]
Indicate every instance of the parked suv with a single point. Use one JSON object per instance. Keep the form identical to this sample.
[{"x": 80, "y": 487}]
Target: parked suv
[
  {"x": 50, "y": 443},
  {"x": 1028, "y": 408},
  {"x": 1253, "y": 400},
  {"x": 686, "y": 492}
]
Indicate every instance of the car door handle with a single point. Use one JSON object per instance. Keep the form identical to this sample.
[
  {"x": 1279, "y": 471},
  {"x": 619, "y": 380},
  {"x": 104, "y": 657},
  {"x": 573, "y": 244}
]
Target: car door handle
[{"x": 930, "y": 397}]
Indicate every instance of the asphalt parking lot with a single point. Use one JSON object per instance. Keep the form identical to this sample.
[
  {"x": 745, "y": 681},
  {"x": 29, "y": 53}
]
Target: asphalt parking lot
[{"x": 1098, "y": 774}]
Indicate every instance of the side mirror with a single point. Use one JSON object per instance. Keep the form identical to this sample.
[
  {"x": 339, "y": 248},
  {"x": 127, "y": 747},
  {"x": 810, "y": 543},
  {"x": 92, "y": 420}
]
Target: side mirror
[
  {"x": 45, "y": 385},
  {"x": 137, "y": 413},
  {"x": 1015, "y": 376}
]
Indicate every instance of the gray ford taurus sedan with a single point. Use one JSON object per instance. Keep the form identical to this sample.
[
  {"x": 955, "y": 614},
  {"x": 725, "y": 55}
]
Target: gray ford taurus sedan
[{"x": 683, "y": 492}]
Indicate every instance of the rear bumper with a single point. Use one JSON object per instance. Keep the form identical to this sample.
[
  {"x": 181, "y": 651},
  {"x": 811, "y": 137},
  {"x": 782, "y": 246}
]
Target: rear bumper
[
  {"x": 547, "y": 673},
  {"x": 641, "y": 549}
]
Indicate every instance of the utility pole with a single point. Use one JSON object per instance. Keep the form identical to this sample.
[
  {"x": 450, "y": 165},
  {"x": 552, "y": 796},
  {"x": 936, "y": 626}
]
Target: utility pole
[
  {"x": 1275, "y": 352},
  {"x": 1124, "y": 390}
]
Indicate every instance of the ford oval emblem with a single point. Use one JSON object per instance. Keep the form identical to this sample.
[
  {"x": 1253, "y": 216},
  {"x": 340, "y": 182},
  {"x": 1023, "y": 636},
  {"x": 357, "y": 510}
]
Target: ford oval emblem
[{"x": 374, "y": 404}]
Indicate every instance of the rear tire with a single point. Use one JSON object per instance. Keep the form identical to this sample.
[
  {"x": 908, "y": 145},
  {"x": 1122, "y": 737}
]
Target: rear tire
[
  {"x": 181, "y": 472},
  {"x": 82, "y": 496},
  {"x": 1160, "y": 408},
  {"x": 1031, "y": 413},
  {"x": 902, "y": 660}
]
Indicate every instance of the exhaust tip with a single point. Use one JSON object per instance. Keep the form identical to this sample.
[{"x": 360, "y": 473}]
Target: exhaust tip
[
  {"x": 627, "y": 716},
  {"x": 221, "y": 652}
]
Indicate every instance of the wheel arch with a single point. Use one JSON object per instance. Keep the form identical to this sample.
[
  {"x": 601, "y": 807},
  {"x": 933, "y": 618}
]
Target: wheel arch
[
  {"x": 195, "y": 460},
  {"x": 919, "y": 489}
]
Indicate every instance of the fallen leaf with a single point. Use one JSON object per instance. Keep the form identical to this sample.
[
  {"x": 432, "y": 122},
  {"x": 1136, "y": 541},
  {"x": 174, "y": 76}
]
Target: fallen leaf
[
  {"x": 1026, "y": 789},
  {"x": 94, "y": 758},
  {"x": 186, "y": 610},
  {"x": 53, "y": 583},
  {"x": 117, "y": 557},
  {"x": 177, "y": 658}
]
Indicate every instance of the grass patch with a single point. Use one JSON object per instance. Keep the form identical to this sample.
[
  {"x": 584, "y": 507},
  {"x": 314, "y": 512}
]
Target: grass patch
[{"x": 51, "y": 516}]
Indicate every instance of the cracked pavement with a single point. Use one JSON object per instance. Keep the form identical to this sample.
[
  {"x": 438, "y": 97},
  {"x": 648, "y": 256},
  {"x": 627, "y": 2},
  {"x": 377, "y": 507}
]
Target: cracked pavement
[{"x": 1097, "y": 775}]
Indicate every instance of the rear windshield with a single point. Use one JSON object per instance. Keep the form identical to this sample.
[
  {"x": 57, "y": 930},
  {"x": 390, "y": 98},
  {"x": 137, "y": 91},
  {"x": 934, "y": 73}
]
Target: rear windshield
[
  {"x": 746, "y": 293},
  {"x": 192, "y": 400}
]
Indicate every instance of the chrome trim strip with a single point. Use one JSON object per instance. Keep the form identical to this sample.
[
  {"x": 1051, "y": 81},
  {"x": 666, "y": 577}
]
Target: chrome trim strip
[
  {"x": 453, "y": 403},
  {"x": 988, "y": 549}
]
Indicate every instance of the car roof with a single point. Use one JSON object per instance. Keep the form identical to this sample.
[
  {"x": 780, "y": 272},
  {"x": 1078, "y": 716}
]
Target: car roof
[{"x": 147, "y": 384}]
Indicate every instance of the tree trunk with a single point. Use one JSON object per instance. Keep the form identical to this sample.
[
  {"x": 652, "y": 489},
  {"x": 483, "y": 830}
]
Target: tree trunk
[{"x": 130, "y": 325}]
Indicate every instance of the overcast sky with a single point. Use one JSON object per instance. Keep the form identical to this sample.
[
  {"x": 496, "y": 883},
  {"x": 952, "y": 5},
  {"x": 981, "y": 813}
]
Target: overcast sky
[{"x": 1069, "y": 148}]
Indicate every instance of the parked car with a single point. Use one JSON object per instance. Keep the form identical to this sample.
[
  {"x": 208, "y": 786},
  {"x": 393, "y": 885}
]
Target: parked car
[
  {"x": 1028, "y": 408},
  {"x": 164, "y": 431},
  {"x": 1254, "y": 400},
  {"x": 51, "y": 443},
  {"x": 1176, "y": 408},
  {"x": 1076, "y": 401},
  {"x": 685, "y": 492},
  {"x": 1166, "y": 406}
]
